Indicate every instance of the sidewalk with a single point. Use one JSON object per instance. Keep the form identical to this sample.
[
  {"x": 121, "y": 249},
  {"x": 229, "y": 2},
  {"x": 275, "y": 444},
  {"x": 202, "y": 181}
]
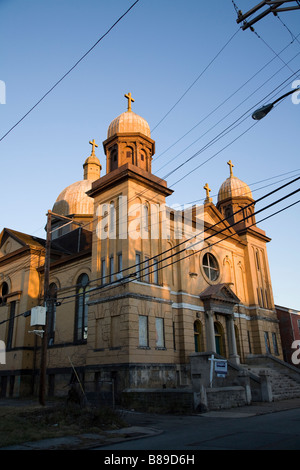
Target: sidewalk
[
  {"x": 255, "y": 409},
  {"x": 89, "y": 441}
]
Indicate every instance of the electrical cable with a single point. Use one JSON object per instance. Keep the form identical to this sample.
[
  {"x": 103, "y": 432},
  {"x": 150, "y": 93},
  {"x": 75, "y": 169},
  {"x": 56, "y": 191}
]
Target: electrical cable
[
  {"x": 128, "y": 279},
  {"x": 195, "y": 81},
  {"x": 222, "y": 119},
  {"x": 229, "y": 97},
  {"x": 109, "y": 286},
  {"x": 198, "y": 234},
  {"x": 226, "y": 131},
  {"x": 70, "y": 70},
  {"x": 192, "y": 202}
]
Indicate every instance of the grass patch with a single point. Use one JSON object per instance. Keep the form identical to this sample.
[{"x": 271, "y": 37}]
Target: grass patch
[{"x": 31, "y": 423}]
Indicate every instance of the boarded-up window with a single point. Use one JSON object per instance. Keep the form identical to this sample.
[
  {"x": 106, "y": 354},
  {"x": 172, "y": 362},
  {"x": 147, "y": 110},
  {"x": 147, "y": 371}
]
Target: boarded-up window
[
  {"x": 160, "y": 334},
  {"x": 143, "y": 330},
  {"x": 115, "y": 331}
]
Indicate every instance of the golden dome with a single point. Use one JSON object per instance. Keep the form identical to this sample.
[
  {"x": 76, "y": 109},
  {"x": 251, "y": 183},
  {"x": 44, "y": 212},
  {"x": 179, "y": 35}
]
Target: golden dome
[
  {"x": 74, "y": 200},
  {"x": 128, "y": 122},
  {"x": 233, "y": 187}
]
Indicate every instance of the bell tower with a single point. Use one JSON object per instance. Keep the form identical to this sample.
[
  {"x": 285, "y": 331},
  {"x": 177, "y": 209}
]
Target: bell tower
[
  {"x": 129, "y": 141},
  {"x": 235, "y": 202}
]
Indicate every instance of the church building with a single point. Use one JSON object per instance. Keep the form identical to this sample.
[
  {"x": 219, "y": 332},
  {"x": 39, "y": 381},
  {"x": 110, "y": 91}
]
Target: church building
[{"x": 133, "y": 286}]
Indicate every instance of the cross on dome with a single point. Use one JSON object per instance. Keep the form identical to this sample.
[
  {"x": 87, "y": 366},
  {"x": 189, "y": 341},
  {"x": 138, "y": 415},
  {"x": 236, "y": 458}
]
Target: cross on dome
[
  {"x": 128, "y": 96},
  {"x": 231, "y": 165},
  {"x": 207, "y": 189},
  {"x": 93, "y": 143}
]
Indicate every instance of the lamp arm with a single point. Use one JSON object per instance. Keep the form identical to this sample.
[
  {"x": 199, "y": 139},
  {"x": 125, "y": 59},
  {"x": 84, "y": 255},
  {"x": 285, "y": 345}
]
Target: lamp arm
[{"x": 285, "y": 95}]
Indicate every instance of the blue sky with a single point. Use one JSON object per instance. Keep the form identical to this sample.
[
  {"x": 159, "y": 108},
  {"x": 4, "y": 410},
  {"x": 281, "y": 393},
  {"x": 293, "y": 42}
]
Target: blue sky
[{"x": 187, "y": 83}]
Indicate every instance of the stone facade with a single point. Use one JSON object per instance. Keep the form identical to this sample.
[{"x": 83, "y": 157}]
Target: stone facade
[{"x": 132, "y": 295}]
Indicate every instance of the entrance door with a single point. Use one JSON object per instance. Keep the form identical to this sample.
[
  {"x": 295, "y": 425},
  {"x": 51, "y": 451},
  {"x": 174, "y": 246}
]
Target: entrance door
[
  {"x": 219, "y": 338},
  {"x": 218, "y": 345}
]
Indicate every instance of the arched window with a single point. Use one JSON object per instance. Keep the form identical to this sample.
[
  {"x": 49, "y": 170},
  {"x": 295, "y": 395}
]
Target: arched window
[
  {"x": 210, "y": 266},
  {"x": 113, "y": 159},
  {"x": 144, "y": 160},
  {"x": 129, "y": 155},
  {"x": 145, "y": 221},
  {"x": 112, "y": 220},
  {"x": 51, "y": 313},
  {"x": 3, "y": 292},
  {"x": 81, "y": 318},
  {"x": 198, "y": 336}
]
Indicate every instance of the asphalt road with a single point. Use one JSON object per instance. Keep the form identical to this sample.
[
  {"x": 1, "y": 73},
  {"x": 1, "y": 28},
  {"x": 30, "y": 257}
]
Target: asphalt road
[{"x": 273, "y": 431}]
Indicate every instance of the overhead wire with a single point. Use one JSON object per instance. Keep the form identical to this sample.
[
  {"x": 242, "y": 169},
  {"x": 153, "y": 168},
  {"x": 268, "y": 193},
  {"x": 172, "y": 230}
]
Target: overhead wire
[
  {"x": 230, "y": 96},
  {"x": 195, "y": 81},
  {"x": 222, "y": 119},
  {"x": 186, "y": 92},
  {"x": 226, "y": 131},
  {"x": 198, "y": 234},
  {"x": 70, "y": 70},
  {"x": 107, "y": 287},
  {"x": 188, "y": 255},
  {"x": 192, "y": 202},
  {"x": 256, "y": 182},
  {"x": 174, "y": 105}
]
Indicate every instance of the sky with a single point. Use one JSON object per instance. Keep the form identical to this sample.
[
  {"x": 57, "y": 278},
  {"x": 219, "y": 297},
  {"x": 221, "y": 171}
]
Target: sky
[{"x": 196, "y": 78}]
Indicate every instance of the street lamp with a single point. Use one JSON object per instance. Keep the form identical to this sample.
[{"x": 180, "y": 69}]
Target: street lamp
[{"x": 264, "y": 110}]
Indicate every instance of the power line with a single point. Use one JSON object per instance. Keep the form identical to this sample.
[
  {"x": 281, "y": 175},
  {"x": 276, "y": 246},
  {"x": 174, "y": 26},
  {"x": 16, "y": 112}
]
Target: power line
[
  {"x": 158, "y": 268},
  {"x": 109, "y": 287},
  {"x": 213, "y": 156},
  {"x": 191, "y": 202},
  {"x": 197, "y": 235},
  {"x": 224, "y": 117},
  {"x": 128, "y": 279},
  {"x": 195, "y": 81},
  {"x": 274, "y": 52},
  {"x": 257, "y": 182},
  {"x": 218, "y": 137},
  {"x": 70, "y": 70}
]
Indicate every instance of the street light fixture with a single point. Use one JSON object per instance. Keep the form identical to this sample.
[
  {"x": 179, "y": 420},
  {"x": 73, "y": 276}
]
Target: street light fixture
[{"x": 264, "y": 110}]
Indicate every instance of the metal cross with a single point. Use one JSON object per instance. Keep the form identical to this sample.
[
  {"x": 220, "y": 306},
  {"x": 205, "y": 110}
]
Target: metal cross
[
  {"x": 231, "y": 166},
  {"x": 207, "y": 189},
  {"x": 93, "y": 143},
  {"x": 128, "y": 96}
]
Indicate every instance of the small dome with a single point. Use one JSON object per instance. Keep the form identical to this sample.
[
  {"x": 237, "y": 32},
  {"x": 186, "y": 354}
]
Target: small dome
[
  {"x": 234, "y": 187},
  {"x": 74, "y": 200},
  {"x": 128, "y": 122}
]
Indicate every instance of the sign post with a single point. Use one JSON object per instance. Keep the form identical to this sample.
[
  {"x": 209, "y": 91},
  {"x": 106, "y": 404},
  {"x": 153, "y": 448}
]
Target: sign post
[{"x": 220, "y": 366}]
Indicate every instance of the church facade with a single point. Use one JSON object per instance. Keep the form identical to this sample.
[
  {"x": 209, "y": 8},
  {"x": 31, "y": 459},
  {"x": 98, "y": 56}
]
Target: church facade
[{"x": 134, "y": 287}]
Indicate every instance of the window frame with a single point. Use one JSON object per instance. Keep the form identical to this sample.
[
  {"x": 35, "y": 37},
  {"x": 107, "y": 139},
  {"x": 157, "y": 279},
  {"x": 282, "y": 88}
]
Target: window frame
[
  {"x": 81, "y": 317},
  {"x": 160, "y": 333},
  {"x": 145, "y": 334},
  {"x": 208, "y": 268}
]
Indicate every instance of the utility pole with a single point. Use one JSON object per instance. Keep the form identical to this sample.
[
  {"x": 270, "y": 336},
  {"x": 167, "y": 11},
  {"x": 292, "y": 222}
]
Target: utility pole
[
  {"x": 274, "y": 6},
  {"x": 42, "y": 392}
]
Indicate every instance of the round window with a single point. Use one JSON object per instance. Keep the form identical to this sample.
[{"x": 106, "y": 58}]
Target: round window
[{"x": 210, "y": 267}]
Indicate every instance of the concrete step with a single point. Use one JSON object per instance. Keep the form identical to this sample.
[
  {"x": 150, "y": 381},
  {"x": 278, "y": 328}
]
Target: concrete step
[{"x": 283, "y": 386}]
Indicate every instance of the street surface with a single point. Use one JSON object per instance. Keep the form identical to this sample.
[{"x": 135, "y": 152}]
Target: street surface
[{"x": 273, "y": 431}]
